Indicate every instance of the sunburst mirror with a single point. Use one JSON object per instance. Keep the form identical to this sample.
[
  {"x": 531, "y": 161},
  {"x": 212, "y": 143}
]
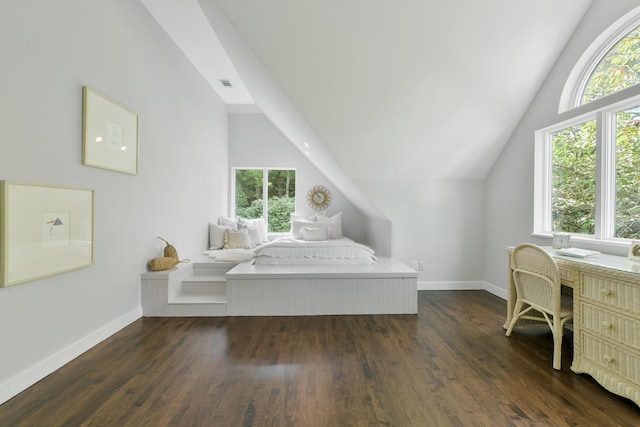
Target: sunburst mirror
[{"x": 318, "y": 198}]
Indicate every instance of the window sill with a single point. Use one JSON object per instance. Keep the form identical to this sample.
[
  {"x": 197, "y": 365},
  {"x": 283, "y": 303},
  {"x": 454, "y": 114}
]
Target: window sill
[{"x": 614, "y": 246}]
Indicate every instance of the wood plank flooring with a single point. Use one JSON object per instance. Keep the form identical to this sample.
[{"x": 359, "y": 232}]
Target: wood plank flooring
[{"x": 451, "y": 365}]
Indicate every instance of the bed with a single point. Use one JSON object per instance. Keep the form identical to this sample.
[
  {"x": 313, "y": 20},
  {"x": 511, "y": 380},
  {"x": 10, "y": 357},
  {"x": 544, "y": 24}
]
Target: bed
[
  {"x": 312, "y": 241},
  {"x": 315, "y": 270},
  {"x": 291, "y": 251}
]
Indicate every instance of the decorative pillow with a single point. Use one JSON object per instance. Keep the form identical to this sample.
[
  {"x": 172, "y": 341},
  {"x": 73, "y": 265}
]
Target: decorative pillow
[
  {"x": 259, "y": 225},
  {"x": 216, "y": 236},
  {"x": 312, "y": 217},
  {"x": 254, "y": 236},
  {"x": 237, "y": 239},
  {"x": 336, "y": 228},
  {"x": 336, "y": 217},
  {"x": 229, "y": 223},
  {"x": 298, "y": 224},
  {"x": 334, "y": 222},
  {"x": 316, "y": 234}
]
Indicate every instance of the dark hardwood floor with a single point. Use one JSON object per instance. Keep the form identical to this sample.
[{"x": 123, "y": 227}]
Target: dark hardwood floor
[{"x": 451, "y": 365}]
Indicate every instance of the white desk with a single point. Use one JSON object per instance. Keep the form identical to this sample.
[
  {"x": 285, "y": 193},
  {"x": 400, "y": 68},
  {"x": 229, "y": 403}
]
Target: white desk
[{"x": 606, "y": 305}]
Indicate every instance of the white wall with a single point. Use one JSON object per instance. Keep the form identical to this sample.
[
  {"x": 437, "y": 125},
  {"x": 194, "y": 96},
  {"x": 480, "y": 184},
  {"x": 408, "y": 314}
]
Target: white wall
[
  {"x": 439, "y": 222},
  {"x": 509, "y": 187},
  {"x": 255, "y": 142},
  {"x": 50, "y": 50}
]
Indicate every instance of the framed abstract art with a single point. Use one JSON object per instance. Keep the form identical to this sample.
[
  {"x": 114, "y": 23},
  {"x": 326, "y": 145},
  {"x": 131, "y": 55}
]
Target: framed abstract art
[{"x": 44, "y": 230}]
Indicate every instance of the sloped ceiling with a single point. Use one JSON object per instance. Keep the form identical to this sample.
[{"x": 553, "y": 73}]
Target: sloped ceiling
[{"x": 408, "y": 89}]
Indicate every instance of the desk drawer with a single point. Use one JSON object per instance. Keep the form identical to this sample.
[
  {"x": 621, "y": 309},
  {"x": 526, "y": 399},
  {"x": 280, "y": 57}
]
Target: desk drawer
[
  {"x": 611, "y": 358},
  {"x": 599, "y": 321},
  {"x": 614, "y": 293},
  {"x": 568, "y": 276}
]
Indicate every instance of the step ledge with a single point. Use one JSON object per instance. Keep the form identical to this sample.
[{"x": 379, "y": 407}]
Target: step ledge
[
  {"x": 205, "y": 278},
  {"x": 183, "y": 299}
]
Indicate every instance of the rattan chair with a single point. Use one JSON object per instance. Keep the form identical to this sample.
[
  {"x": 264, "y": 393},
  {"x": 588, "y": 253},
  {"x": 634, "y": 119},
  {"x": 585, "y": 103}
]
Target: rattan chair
[{"x": 537, "y": 281}]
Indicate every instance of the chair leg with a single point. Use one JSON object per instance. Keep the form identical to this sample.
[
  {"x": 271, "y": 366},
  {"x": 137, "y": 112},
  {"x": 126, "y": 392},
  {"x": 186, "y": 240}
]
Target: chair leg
[
  {"x": 557, "y": 344},
  {"x": 514, "y": 319}
]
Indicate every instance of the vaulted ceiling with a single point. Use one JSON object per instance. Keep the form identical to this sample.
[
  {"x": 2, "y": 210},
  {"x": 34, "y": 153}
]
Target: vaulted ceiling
[
  {"x": 409, "y": 88},
  {"x": 406, "y": 89}
]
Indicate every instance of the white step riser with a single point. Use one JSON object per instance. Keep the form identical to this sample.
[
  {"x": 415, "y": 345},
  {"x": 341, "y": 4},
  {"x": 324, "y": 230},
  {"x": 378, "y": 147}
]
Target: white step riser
[
  {"x": 204, "y": 288},
  {"x": 200, "y": 269},
  {"x": 193, "y": 289}
]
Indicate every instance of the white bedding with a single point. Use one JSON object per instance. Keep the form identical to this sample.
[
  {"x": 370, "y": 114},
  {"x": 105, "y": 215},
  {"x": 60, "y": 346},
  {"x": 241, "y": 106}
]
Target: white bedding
[
  {"x": 288, "y": 251},
  {"x": 230, "y": 255}
]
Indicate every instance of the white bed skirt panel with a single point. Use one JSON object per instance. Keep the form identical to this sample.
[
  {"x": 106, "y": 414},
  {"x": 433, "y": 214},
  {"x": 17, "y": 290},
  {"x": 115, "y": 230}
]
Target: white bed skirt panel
[{"x": 305, "y": 297}]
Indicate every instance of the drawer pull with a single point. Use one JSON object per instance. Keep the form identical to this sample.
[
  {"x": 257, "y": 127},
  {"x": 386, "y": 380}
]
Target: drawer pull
[
  {"x": 608, "y": 359},
  {"x": 606, "y": 292},
  {"x": 606, "y": 325}
]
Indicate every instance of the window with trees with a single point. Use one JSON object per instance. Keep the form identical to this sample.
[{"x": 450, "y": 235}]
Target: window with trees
[
  {"x": 617, "y": 70},
  {"x": 265, "y": 193},
  {"x": 574, "y": 178},
  {"x": 608, "y": 66},
  {"x": 587, "y": 181}
]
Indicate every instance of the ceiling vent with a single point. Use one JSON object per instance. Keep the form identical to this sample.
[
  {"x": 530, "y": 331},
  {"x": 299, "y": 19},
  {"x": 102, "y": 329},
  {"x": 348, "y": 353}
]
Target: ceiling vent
[{"x": 225, "y": 83}]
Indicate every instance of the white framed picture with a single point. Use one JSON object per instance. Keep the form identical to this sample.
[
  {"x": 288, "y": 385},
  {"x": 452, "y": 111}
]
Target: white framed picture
[
  {"x": 44, "y": 230},
  {"x": 109, "y": 134}
]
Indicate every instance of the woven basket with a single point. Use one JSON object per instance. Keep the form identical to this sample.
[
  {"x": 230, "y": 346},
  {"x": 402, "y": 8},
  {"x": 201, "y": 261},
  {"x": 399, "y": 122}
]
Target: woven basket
[
  {"x": 168, "y": 261},
  {"x": 170, "y": 251},
  {"x": 162, "y": 263}
]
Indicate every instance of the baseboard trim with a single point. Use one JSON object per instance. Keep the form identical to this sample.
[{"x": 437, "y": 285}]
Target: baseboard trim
[
  {"x": 25, "y": 379},
  {"x": 497, "y": 291},
  {"x": 463, "y": 286}
]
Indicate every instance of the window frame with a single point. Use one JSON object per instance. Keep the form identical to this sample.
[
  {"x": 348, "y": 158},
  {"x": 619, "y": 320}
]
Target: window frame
[
  {"x": 605, "y": 118},
  {"x": 265, "y": 191},
  {"x": 573, "y": 91}
]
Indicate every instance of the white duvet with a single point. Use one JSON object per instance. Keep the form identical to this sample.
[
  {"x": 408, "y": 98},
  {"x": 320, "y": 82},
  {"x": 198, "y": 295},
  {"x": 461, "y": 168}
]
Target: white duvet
[{"x": 288, "y": 250}]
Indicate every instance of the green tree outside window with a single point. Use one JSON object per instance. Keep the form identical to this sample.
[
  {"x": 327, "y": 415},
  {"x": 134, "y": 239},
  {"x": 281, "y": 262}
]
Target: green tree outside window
[
  {"x": 276, "y": 186},
  {"x": 574, "y": 185}
]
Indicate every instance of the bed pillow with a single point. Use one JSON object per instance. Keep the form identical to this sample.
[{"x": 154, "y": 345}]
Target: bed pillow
[
  {"x": 254, "y": 236},
  {"x": 216, "y": 236},
  {"x": 336, "y": 217},
  {"x": 237, "y": 239},
  {"x": 311, "y": 217},
  {"x": 334, "y": 222},
  {"x": 335, "y": 226},
  {"x": 316, "y": 234},
  {"x": 298, "y": 224},
  {"x": 260, "y": 227},
  {"x": 229, "y": 223}
]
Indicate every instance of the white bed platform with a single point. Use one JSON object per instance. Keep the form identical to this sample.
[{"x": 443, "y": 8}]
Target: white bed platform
[{"x": 207, "y": 288}]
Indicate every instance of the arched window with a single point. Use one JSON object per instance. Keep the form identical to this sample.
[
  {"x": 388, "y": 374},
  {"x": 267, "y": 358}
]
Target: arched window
[
  {"x": 609, "y": 65},
  {"x": 587, "y": 181},
  {"x": 619, "y": 69}
]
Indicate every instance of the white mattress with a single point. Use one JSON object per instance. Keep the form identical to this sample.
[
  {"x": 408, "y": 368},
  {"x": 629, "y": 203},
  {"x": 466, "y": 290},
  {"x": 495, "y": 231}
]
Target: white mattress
[{"x": 289, "y": 251}]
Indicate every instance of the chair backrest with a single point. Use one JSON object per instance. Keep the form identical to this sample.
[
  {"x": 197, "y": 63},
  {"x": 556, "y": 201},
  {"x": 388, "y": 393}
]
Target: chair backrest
[{"x": 536, "y": 276}]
